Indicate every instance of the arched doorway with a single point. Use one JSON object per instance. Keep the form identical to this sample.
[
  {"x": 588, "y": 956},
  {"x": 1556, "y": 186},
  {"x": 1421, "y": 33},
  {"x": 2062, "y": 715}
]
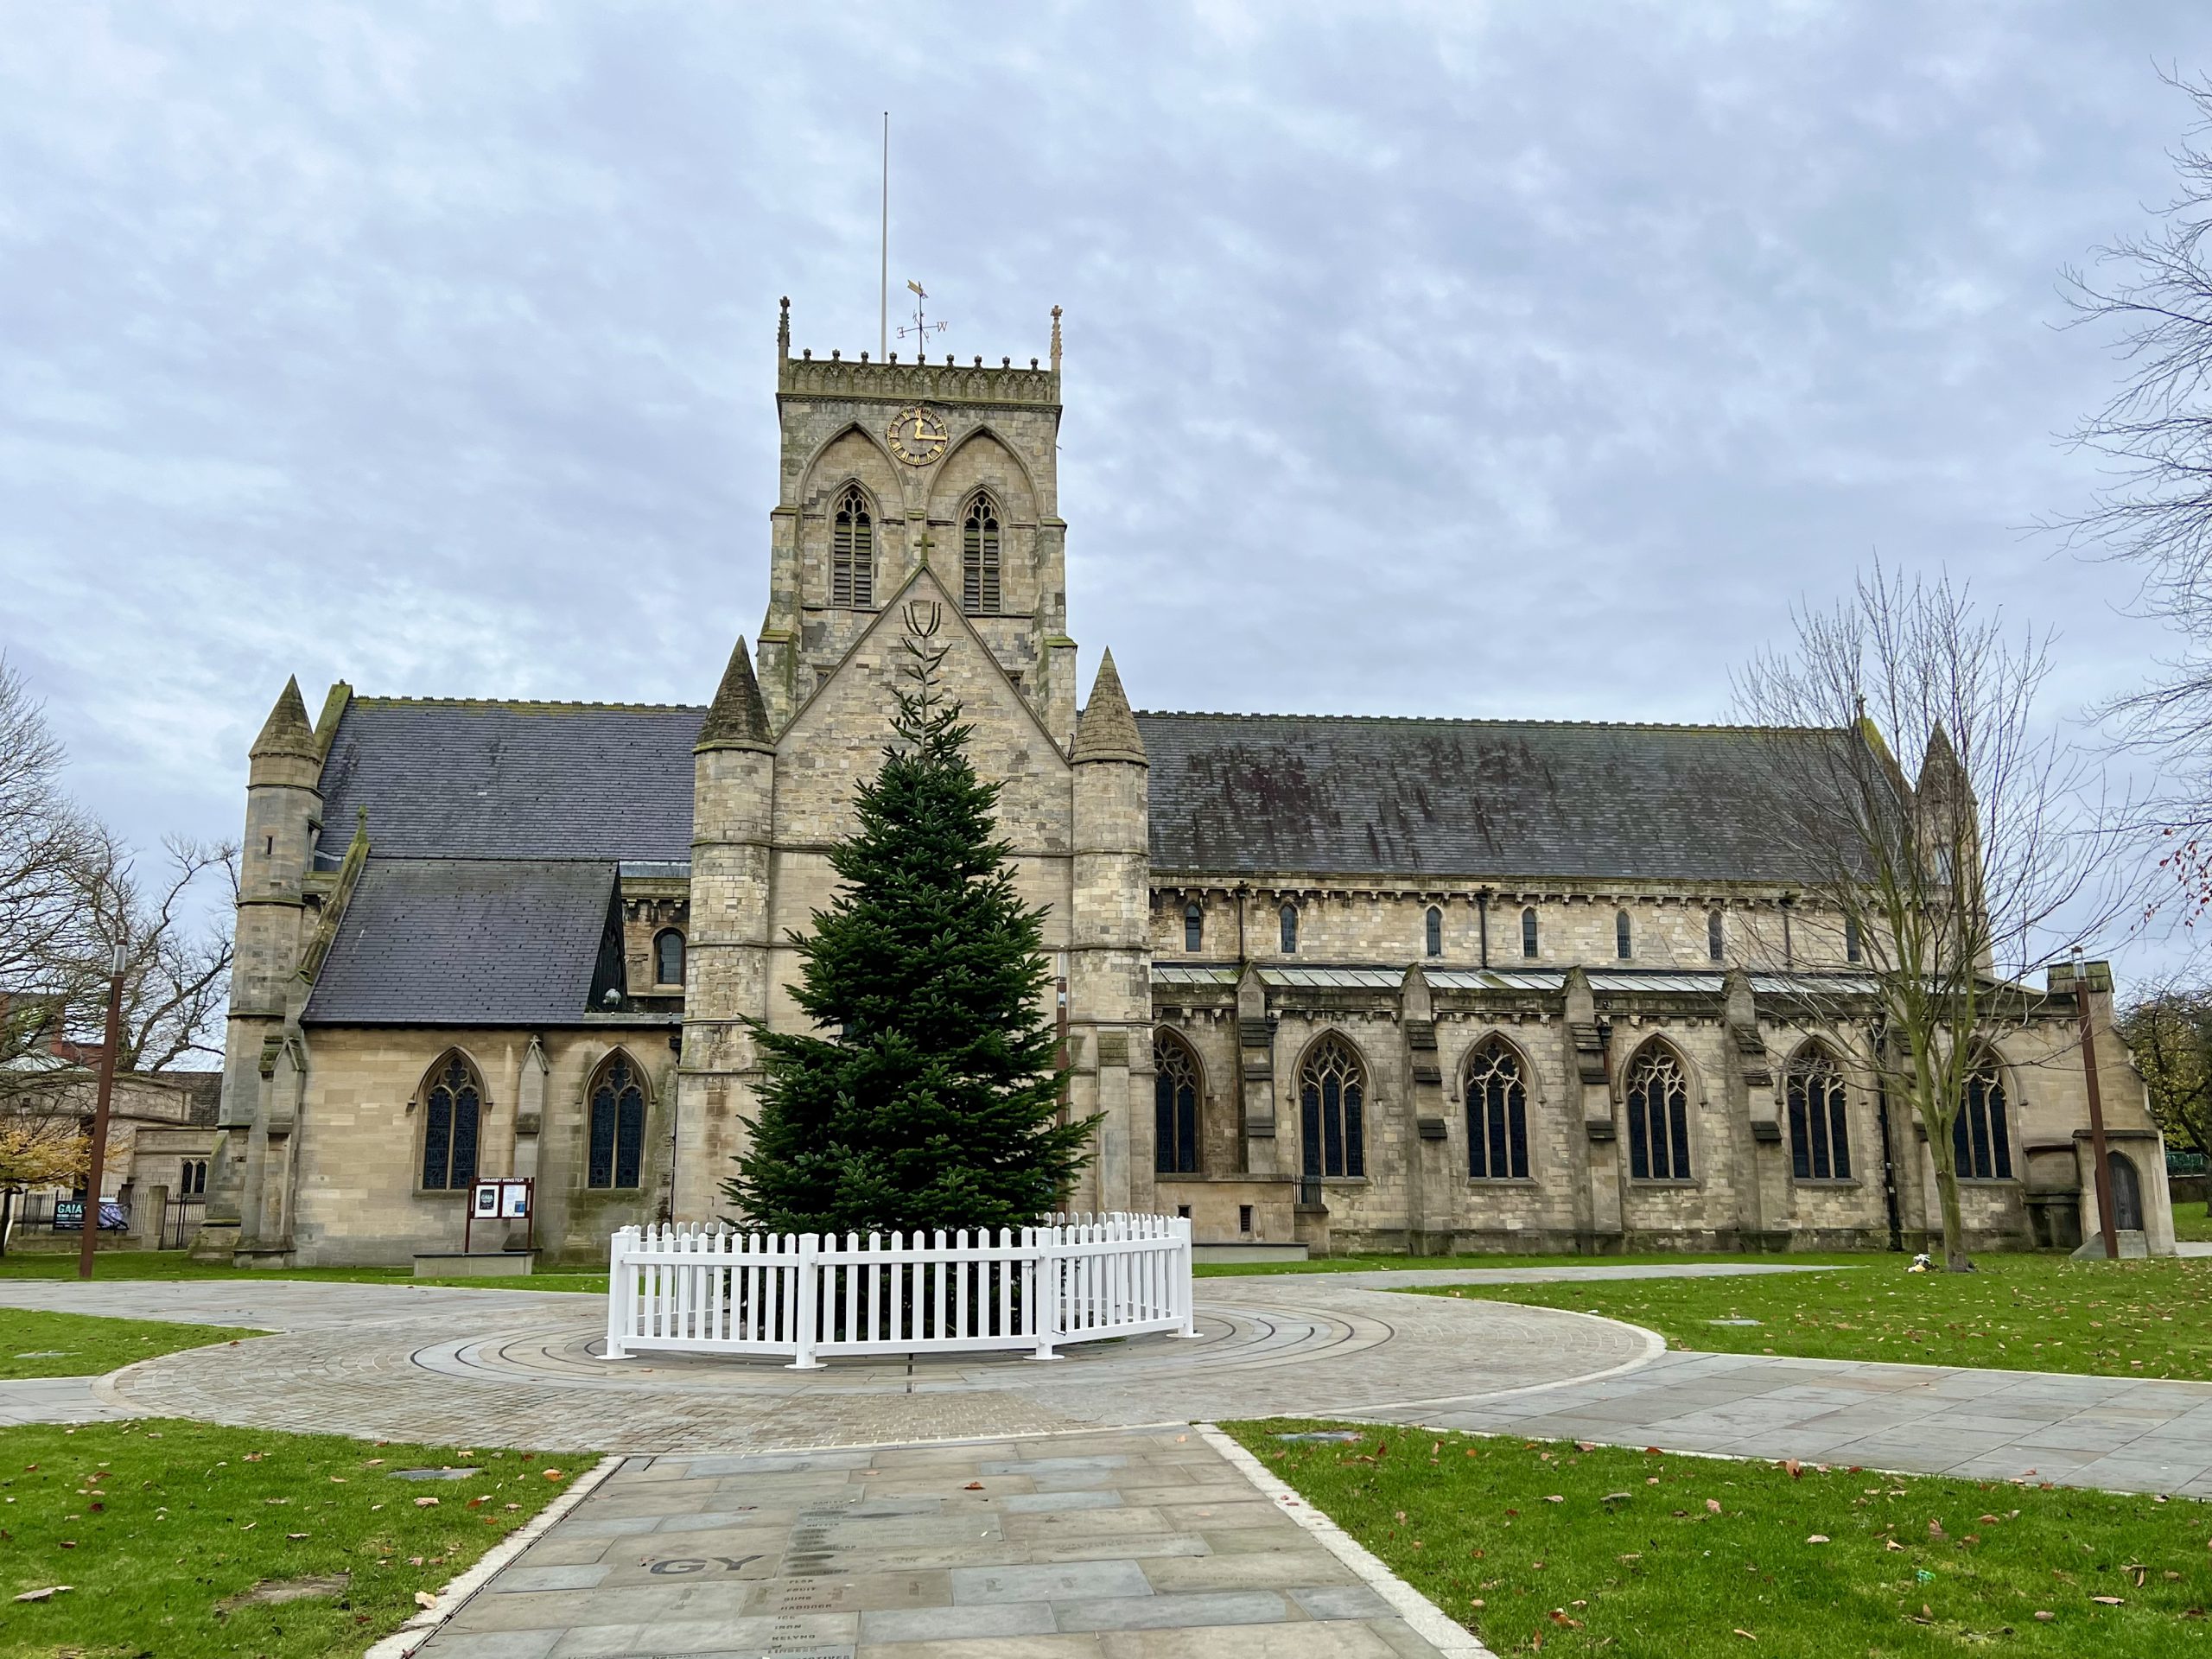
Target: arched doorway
[{"x": 2127, "y": 1193}]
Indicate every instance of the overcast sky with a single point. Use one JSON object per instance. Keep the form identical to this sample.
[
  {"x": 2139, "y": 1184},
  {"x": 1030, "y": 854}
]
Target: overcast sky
[{"x": 1467, "y": 358}]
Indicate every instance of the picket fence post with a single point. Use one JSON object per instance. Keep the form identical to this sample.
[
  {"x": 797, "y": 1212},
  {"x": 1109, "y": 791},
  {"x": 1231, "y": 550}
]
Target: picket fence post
[
  {"x": 1183, "y": 1277},
  {"x": 809, "y": 1304},
  {"x": 1047, "y": 1286},
  {"x": 622, "y": 1287}
]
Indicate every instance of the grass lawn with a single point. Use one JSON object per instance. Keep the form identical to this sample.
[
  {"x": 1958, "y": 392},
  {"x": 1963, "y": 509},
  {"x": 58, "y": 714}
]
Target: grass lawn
[
  {"x": 162, "y": 1526},
  {"x": 1579, "y": 1551},
  {"x": 2016, "y": 1313},
  {"x": 176, "y": 1265},
  {"x": 2191, "y": 1222},
  {"x": 78, "y": 1344},
  {"x": 1401, "y": 1263}
]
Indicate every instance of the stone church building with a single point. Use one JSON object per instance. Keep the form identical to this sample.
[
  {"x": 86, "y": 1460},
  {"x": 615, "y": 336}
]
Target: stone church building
[{"x": 1347, "y": 982}]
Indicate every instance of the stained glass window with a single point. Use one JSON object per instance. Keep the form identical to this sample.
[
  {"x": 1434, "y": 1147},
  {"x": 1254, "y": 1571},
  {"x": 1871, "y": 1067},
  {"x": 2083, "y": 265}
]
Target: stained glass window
[
  {"x": 1175, "y": 1106},
  {"x": 1497, "y": 1115},
  {"x": 1658, "y": 1117},
  {"x": 1819, "y": 1137},
  {"x": 618, "y": 1124},
  {"x": 1332, "y": 1094},
  {"x": 451, "y": 1107}
]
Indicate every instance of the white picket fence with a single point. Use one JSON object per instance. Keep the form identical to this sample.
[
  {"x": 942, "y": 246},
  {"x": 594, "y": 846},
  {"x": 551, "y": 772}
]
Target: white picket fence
[{"x": 705, "y": 1288}]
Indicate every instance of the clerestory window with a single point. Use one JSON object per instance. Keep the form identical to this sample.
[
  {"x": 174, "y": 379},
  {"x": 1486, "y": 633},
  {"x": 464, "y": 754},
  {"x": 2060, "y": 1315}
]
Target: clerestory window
[{"x": 1194, "y": 927}]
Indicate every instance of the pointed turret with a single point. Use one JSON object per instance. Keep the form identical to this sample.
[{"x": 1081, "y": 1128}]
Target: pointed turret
[
  {"x": 1106, "y": 730},
  {"x": 286, "y": 731},
  {"x": 1940, "y": 771},
  {"x": 737, "y": 719}
]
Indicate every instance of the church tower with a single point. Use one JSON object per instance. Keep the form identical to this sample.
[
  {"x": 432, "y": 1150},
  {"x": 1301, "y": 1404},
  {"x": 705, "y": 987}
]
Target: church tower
[
  {"x": 914, "y": 500},
  {"x": 887, "y": 467}
]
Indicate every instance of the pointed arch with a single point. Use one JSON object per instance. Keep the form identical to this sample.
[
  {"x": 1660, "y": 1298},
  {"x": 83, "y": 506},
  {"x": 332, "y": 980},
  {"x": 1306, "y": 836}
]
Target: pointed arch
[
  {"x": 980, "y": 522},
  {"x": 1494, "y": 1077},
  {"x": 668, "y": 957},
  {"x": 1655, "y": 1088},
  {"x": 1981, "y": 1137},
  {"x": 1333, "y": 1092},
  {"x": 872, "y": 440},
  {"x": 1194, "y": 927},
  {"x": 1177, "y": 1091},
  {"x": 946, "y": 473},
  {"x": 451, "y": 1098},
  {"x": 614, "y": 1107},
  {"x": 1820, "y": 1132},
  {"x": 854, "y": 517},
  {"x": 1432, "y": 932}
]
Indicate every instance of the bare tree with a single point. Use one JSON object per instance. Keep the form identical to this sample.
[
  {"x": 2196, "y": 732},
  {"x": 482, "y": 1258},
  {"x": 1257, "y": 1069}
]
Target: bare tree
[
  {"x": 2153, "y": 291},
  {"x": 176, "y": 969},
  {"x": 1937, "y": 829},
  {"x": 2169, "y": 1027}
]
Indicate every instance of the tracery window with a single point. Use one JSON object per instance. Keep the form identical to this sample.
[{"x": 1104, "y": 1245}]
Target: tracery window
[
  {"x": 1290, "y": 930},
  {"x": 1194, "y": 927},
  {"x": 668, "y": 957},
  {"x": 851, "y": 550},
  {"x": 1435, "y": 935},
  {"x": 979, "y": 557},
  {"x": 1716, "y": 937},
  {"x": 1979, "y": 1136},
  {"x": 618, "y": 1124},
  {"x": 1497, "y": 1114},
  {"x": 1331, "y": 1100},
  {"x": 1621, "y": 938},
  {"x": 1820, "y": 1138},
  {"x": 453, "y": 1104},
  {"x": 1174, "y": 1106},
  {"x": 1529, "y": 932},
  {"x": 1658, "y": 1117}
]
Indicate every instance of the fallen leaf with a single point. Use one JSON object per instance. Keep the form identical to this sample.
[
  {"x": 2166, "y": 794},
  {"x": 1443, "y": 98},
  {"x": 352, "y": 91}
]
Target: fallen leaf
[
  {"x": 2043, "y": 1617},
  {"x": 973, "y": 1486},
  {"x": 1818, "y": 1538},
  {"x": 1712, "y": 1506},
  {"x": 2107, "y": 1601},
  {"x": 1556, "y": 1497},
  {"x": 1796, "y": 1469},
  {"x": 426, "y": 1502},
  {"x": 1747, "y": 1636},
  {"x": 424, "y": 1598},
  {"x": 552, "y": 1474},
  {"x": 53, "y": 1590},
  {"x": 295, "y": 1536}
]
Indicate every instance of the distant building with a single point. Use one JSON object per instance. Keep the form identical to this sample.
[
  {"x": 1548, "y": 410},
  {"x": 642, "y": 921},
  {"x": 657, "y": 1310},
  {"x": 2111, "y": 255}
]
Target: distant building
[
  {"x": 1396, "y": 983},
  {"x": 160, "y": 1146}
]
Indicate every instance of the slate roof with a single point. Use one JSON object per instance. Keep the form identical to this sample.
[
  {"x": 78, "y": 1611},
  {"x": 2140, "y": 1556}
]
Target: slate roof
[
  {"x": 1349, "y": 794},
  {"x": 448, "y": 779},
  {"x": 451, "y": 941}
]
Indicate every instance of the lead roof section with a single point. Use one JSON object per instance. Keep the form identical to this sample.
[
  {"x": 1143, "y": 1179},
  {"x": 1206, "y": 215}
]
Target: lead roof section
[
  {"x": 529, "y": 780},
  {"x": 1246, "y": 794},
  {"x": 467, "y": 942}
]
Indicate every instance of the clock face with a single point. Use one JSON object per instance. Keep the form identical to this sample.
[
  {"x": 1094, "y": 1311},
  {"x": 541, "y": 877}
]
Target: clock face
[{"x": 917, "y": 436}]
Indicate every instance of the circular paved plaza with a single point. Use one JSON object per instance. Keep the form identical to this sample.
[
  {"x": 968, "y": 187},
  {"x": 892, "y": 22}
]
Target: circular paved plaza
[{"x": 497, "y": 1368}]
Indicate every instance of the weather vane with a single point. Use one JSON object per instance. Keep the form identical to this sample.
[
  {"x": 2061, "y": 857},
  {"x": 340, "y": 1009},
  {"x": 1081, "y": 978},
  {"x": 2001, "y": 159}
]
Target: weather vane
[{"x": 921, "y": 328}]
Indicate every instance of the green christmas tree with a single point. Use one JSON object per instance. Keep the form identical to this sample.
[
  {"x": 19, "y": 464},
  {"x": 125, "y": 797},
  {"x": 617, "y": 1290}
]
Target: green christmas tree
[{"x": 929, "y": 1095}]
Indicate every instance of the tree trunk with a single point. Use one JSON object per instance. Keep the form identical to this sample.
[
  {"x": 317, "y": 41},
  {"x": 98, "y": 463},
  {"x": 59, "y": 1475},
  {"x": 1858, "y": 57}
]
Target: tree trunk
[{"x": 7, "y": 1217}]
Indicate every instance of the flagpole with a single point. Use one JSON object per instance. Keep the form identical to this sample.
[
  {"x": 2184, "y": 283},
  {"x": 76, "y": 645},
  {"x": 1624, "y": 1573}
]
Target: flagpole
[{"x": 883, "y": 273}]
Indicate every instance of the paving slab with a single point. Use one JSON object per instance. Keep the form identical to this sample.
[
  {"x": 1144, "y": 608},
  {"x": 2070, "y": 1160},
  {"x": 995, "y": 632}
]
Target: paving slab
[{"x": 1156, "y": 1584}]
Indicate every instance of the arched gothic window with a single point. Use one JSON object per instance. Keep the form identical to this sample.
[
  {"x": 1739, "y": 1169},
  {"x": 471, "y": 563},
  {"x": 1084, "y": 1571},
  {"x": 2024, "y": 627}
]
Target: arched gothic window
[
  {"x": 1529, "y": 932},
  {"x": 851, "y": 550},
  {"x": 1852, "y": 949},
  {"x": 1332, "y": 1099},
  {"x": 1435, "y": 939},
  {"x": 618, "y": 1123},
  {"x": 1658, "y": 1117},
  {"x": 453, "y": 1107},
  {"x": 668, "y": 957},
  {"x": 1290, "y": 930},
  {"x": 1497, "y": 1114},
  {"x": 979, "y": 557},
  {"x": 1621, "y": 939},
  {"x": 1194, "y": 927},
  {"x": 1979, "y": 1136},
  {"x": 1174, "y": 1106},
  {"x": 1820, "y": 1138},
  {"x": 1716, "y": 935}
]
